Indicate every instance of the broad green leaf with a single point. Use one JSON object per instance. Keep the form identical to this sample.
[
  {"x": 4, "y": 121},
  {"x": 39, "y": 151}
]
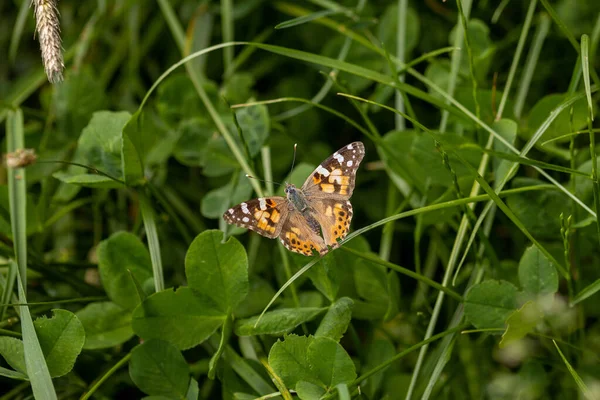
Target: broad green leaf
[
  {"x": 372, "y": 287},
  {"x": 289, "y": 360},
  {"x": 184, "y": 317},
  {"x": 489, "y": 303},
  {"x": 309, "y": 391},
  {"x": 217, "y": 201},
  {"x": 106, "y": 325},
  {"x": 336, "y": 321},
  {"x": 565, "y": 122},
  {"x": 131, "y": 158},
  {"x": 318, "y": 361},
  {"x": 255, "y": 124},
  {"x": 238, "y": 87},
  {"x": 75, "y": 99},
  {"x": 218, "y": 270},
  {"x": 276, "y": 322},
  {"x": 536, "y": 273},
  {"x": 259, "y": 294},
  {"x": 481, "y": 48},
  {"x": 158, "y": 368},
  {"x": 100, "y": 147},
  {"x": 120, "y": 253},
  {"x": 539, "y": 211},
  {"x": 379, "y": 351},
  {"x": 61, "y": 337},
  {"x": 521, "y": 322},
  {"x": 387, "y": 29},
  {"x": 330, "y": 362},
  {"x": 191, "y": 147},
  {"x": 11, "y": 349}
]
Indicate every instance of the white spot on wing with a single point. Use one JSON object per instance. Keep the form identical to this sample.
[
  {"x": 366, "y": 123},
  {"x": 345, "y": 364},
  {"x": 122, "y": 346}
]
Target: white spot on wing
[
  {"x": 349, "y": 163},
  {"x": 350, "y": 147},
  {"x": 245, "y": 208},
  {"x": 246, "y": 219},
  {"x": 231, "y": 211},
  {"x": 262, "y": 203},
  {"x": 338, "y": 157},
  {"x": 322, "y": 171}
]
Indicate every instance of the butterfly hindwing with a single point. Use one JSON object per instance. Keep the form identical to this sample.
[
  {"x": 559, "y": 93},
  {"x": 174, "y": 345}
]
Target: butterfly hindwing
[
  {"x": 265, "y": 216},
  {"x": 334, "y": 216},
  {"x": 336, "y": 176},
  {"x": 298, "y": 236}
]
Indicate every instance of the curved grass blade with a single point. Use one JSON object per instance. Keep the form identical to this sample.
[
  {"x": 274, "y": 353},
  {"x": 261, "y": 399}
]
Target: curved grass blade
[
  {"x": 582, "y": 386},
  {"x": 306, "y": 18}
]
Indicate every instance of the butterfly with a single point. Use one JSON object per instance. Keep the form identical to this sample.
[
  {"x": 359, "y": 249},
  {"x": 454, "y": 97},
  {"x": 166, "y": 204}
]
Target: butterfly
[{"x": 312, "y": 217}]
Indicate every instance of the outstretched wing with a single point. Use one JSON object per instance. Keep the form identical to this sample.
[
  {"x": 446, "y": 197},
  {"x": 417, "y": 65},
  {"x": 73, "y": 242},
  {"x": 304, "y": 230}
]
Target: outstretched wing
[
  {"x": 298, "y": 236},
  {"x": 335, "y": 177},
  {"x": 265, "y": 216},
  {"x": 334, "y": 216}
]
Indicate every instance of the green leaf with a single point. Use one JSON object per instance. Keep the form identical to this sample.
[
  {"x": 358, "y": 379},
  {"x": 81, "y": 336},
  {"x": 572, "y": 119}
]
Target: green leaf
[
  {"x": 100, "y": 147},
  {"x": 319, "y": 361},
  {"x": 564, "y": 122},
  {"x": 379, "y": 351},
  {"x": 33, "y": 222},
  {"x": 106, "y": 325},
  {"x": 184, "y": 317},
  {"x": 387, "y": 29},
  {"x": 192, "y": 146},
  {"x": 309, "y": 391},
  {"x": 289, "y": 360},
  {"x": 539, "y": 210},
  {"x": 337, "y": 319},
  {"x": 330, "y": 362},
  {"x": 158, "y": 368},
  {"x": 131, "y": 162},
  {"x": 276, "y": 322},
  {"x": 218, "y": 270},
  {"x": 255, "y": 124},
  {"x": 225, "y": 335},
  {"x": 11, "y": 350},
  {"x": 120, "y": 253},
  {"x": 536, "y": 273},
  {"x": 521, "y": 322},
  {"x": 61, "y": 338},
  {"x": 489, "y": 303},
  {"x": 217, "y": 201}
]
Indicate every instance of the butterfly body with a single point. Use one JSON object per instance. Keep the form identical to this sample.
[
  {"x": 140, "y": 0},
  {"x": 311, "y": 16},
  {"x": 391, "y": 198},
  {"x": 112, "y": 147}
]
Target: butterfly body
[{"x": 312, "y": 217}]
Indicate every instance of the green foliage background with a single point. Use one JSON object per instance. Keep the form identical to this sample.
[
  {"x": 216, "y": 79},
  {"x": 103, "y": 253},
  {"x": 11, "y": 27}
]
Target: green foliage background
[{"x": 473, "y": 268}]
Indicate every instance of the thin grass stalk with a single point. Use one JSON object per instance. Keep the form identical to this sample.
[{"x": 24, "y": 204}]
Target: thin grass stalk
[
  {"x": 400, "y": 53},
  {"x": 17, "y": 193},
  {"x": 153, "y": 243},
  {"x": 227, "y": 31},
  {"x": 455, "y": 64},
  {"x": 531, "y": 63},
  {"x": 515, "y": 61}
]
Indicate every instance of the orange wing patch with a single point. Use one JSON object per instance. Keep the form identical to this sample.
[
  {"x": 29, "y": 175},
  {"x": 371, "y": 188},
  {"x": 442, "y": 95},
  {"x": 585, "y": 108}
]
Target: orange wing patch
[
  {"x": 295, "y": 243},
  {"x": 341, "y": 226}
]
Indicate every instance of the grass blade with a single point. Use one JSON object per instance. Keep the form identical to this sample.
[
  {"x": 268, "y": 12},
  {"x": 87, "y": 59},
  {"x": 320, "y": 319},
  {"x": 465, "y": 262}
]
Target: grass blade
[
  {"x": 582, "y": 386},
  {"x": 37, "y": 369},
  {"x": 306, "y": 18},
  {"x": 153, "y": 243}
]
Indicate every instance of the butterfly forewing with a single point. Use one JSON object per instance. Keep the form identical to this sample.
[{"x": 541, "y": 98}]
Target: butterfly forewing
[
  {"x": 265, "y": 216},
  {"x": 336, "y": 176}
]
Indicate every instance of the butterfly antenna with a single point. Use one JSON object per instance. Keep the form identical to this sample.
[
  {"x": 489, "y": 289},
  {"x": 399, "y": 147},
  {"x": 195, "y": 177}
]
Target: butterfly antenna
[
  {"x": 294, "y": 158},
  {"x": 262, "y": 180}
]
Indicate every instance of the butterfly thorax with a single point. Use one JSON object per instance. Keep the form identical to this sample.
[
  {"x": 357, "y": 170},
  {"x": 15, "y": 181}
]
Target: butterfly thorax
[{"x": 296, "y": 197}]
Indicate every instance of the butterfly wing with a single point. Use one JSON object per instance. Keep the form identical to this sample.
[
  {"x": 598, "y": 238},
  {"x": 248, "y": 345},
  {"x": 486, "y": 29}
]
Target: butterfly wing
[
  {"x": 335, "y": 177},
  {"x": 334, "y": 216},
  {"x": 265, "y": 216},
  {"x": 298, "y": 236}
]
